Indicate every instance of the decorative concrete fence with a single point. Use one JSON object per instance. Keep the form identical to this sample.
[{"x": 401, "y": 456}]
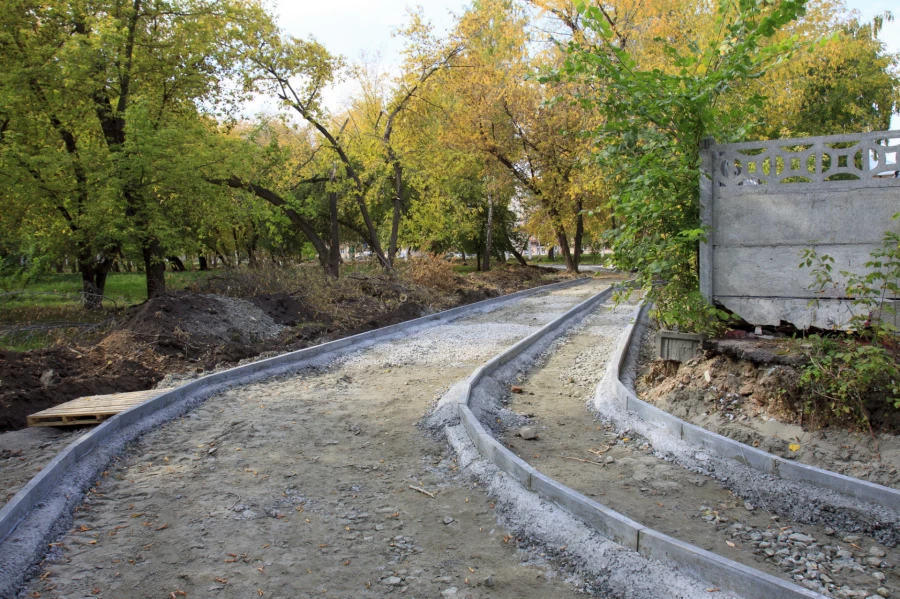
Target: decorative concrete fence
[{"x": 765, "y": 202}]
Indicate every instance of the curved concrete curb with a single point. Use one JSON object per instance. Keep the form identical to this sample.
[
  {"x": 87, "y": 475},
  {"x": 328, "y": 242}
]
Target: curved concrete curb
[
  {"x": 18, "y": 508},
  {"x": 729, "y": 448},
  {"x": 714, "y": 569}
]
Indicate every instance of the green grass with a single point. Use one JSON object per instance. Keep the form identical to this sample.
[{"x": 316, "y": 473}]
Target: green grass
[
  {"x": 585, "y": 259},
  {"x": 464, "y": 269},
  {"x": 62, "y": 289}
]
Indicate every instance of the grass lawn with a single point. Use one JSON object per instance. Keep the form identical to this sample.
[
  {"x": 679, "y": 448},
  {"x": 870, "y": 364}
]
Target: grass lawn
[
  {"x": 123, "y": 288},
  {"x": 600, "y": 259},
  {"x": 464, "y": 269}
]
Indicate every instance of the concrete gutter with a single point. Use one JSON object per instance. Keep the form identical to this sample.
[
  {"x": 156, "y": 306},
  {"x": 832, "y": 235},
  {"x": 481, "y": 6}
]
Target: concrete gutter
[
  {"x": 716, "y": 570},
  {"x": 85, "y": 459},
  {"x": 722, "y": 446}
]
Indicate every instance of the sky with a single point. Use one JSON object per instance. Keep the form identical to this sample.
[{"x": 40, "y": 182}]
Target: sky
[{"x": 356, "y": 27}]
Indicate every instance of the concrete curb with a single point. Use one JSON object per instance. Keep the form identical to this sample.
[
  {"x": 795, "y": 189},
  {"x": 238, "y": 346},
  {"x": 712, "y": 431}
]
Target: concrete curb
[
  {"x": 714, "y": 569},
  {"x": 722, "y": 446},
  {"x": 32, "y": 494}
]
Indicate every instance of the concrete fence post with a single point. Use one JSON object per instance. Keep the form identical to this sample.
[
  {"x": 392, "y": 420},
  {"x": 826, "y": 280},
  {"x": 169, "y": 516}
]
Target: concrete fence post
[{"x": 707, "y": 192}]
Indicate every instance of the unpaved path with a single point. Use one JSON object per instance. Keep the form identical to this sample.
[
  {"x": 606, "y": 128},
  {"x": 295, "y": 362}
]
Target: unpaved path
[
  {"x": 624, "y": 472},
  {"x": 24, "y": 452},
  {"x": 302, "y": 487}
]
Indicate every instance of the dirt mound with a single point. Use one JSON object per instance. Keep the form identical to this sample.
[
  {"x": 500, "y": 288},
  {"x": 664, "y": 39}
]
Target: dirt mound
[
  {"x": 718, "y": 383},
  {"x": 513, "y": 277},
  {"x": 22, "y": 391},
  {"x": 288, "y": 310},
  {"x": 189, "y": 324}
]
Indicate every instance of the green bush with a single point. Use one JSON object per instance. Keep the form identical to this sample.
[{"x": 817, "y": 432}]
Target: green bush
[{"x": 861, "y": 366}]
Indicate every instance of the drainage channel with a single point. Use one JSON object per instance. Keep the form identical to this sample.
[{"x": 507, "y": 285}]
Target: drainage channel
[
  {"x": 626, "y": 472},
  {"x": 312, "y": 484}
]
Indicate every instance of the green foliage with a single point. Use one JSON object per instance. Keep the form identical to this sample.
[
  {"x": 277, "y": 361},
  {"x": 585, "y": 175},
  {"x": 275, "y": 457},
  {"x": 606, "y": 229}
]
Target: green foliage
[
  {"x": 846, "y": 374},
  {"x": 654, "y": 122}
]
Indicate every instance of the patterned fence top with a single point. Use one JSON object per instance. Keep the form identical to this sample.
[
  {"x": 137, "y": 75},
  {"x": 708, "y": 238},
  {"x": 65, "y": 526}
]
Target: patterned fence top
[{"x": 859, "y": 160}]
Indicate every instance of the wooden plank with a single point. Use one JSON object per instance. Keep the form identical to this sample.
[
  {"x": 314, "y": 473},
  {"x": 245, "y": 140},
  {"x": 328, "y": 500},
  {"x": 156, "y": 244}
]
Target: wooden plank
[{"x": 93, "y": 409}]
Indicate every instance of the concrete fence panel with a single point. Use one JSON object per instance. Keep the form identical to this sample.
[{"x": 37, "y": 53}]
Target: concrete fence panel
[{"x": 766, "y": 202}]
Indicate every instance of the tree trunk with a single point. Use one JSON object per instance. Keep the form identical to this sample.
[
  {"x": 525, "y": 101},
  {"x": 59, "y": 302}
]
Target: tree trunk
[
  {"x": 478, "y": 261},
  {"x": 101, "y": 271},
  {"x": 489, "y": 236},
  {"x": 550, "y": 253},
  {"x": 203, "y": 263},
  {"x": 563, "y": 242},
  {"x": 154, "y": 267},
  {"x": 512, "y": 248},
  {"x": 93, "y": 279},
  {"x": 579, "y": 235},
  {"x": 90, "y": 298},
  {"x": 398, "y": 206},
  {"x": 333, "y": 266},
  {"x": 177, "y": 263}
]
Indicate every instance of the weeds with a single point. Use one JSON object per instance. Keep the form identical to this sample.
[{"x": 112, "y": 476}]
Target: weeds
[
  {"x": 848, "y": 372},
  {"x": 433, "y": 272}
]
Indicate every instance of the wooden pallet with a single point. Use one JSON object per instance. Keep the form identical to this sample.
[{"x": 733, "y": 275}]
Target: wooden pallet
[{"x": 91, "y": 410}]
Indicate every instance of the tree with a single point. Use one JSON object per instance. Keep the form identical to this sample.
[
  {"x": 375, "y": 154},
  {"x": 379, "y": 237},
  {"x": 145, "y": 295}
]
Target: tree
[
  {"x": 654, "y": 121},
  {"x": 93, "y": 75},
  {"x": 502, "y": 111},
  {"x": 296, "y": 72},
  {"x": 845, "y": 82}
]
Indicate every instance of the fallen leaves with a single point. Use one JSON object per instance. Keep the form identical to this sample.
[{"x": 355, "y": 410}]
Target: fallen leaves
[{"x": 794, "y": 447}]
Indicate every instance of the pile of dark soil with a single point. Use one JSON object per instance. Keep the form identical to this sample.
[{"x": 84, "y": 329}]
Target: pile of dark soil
[
  {"x": 67, "y": 374},
  {"x": 187, "y": 323},
  {"x": 287, "y": 309}
]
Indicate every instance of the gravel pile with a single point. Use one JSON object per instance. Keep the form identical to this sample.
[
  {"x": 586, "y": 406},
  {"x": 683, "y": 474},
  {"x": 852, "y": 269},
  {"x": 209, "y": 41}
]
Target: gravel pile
[
  {"x": 809, "y": 561},
  {"x": 252, "y": 320}
]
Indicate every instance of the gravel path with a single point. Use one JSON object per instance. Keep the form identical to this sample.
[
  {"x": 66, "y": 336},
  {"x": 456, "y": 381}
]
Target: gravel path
[
  {"x": 313, "y": 485},
  {"x": 625, "y": 471}
]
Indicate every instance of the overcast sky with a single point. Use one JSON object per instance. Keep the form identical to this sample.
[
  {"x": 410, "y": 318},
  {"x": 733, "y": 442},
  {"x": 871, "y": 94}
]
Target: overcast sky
[{"x": 353, "y": 27}]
